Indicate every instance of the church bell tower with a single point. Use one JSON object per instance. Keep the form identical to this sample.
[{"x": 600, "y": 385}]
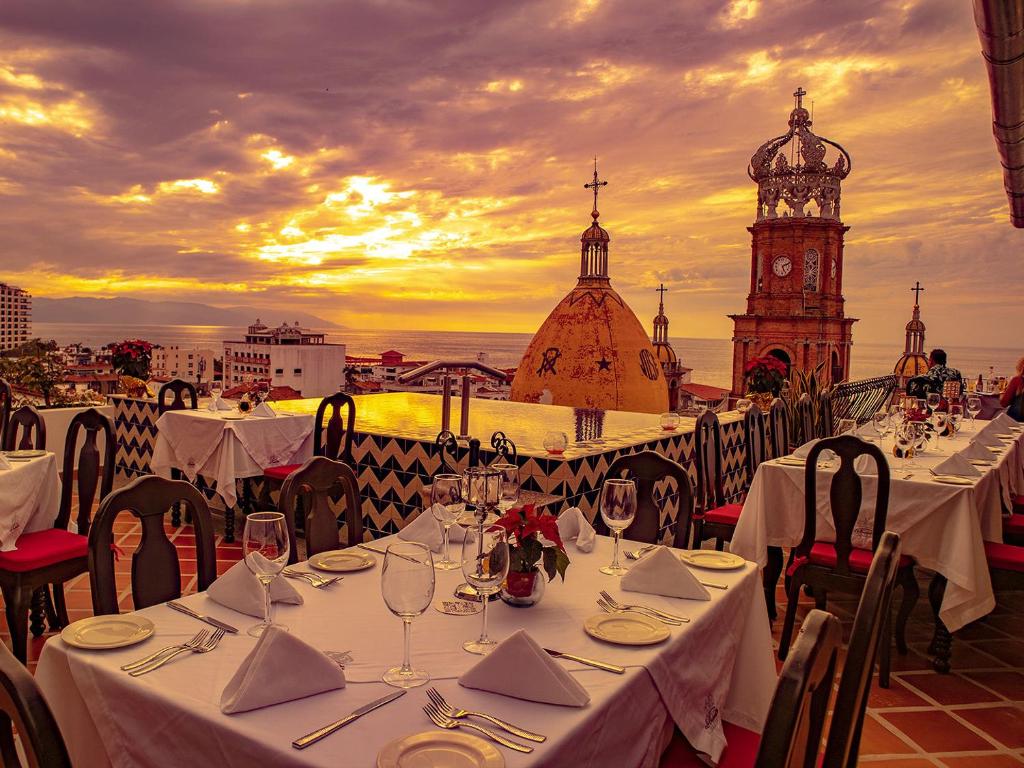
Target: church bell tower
[{"x": 795, "y": 305}]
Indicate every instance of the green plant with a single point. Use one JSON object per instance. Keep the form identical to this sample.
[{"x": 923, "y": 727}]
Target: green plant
[
  {"x": 811, "y": 382},
  {"x": 35, "y": 365},
  {"x": 765, "y": 375}
]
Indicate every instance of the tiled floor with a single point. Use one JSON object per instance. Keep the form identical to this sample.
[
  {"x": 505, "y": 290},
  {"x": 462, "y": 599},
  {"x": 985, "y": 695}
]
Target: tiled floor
[{"x": 972, "y": 718}]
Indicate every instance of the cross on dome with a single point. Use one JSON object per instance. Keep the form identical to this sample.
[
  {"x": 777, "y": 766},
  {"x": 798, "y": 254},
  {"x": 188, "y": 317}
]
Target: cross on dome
[
  {"x": 917, "y": 292},
  {"x": 799, "y": 94},
  {"x": 595, "y": 185}
]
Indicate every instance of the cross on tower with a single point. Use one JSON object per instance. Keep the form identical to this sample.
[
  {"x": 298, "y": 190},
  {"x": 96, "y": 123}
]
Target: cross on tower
[
  {"x": 917, "y": 292},
  {"x": 661, "y": 289},
  {"x": 799, "y": 93},
  {"x": 595, "y": 185}
]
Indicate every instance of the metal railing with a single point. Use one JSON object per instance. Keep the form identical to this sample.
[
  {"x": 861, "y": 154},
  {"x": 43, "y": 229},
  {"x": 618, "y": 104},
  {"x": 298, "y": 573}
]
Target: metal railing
[
  {"x": 452, "y": 368},
  {"x": 859, "y": 400}
]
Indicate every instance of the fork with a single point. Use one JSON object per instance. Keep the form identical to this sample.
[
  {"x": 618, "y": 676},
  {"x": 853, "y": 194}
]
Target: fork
[
  {"x": 657, "y": 613},
  {"x": 205, "y": 647},
  {"x": 443, "y": 721},
  {"x": 313, "y": 579},
  {"x": 454, "y": 712},
  {"x": 200, "y": 636},
  {"x": 636, "y": 554},
  {"x": 607, "y": 608}
]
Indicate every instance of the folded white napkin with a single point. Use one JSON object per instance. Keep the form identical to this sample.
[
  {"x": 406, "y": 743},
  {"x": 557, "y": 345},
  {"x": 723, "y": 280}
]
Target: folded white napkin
[
  {"x": 804, "y": 451},
  {"x": 988, "y": 437},
  {"x": 956, "y": 465},
  {"x": 280, "y": 668},
  {"x": 519, "y": 667},
  {"x": 263, "y": 410},
  {"x": 573, "y": 524},
  {"x": 662, "y": 573},
  {"x": 4, "y": 463},
  {"x": 240, "y": 590},
  {"x": 1006, "y": 423},
  {"x": 977, "y": 450},
  {"x": 865, "y": 465},
  {"x": 425, "y": 529},
  {"x": 218, "y": 404}
]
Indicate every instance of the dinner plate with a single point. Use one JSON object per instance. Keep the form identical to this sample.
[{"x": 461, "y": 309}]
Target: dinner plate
[
  {"x": 982, "y": 463},
  {"x": 440, "y": 749},
  {"x": 625, "y": 628},
  {"x": 952, "y": 480},
  {"x": 24, "y": 455},
  {"x": 342, "y": 560},
  {"x": 790, "y": 461},
  {"x": 1004, "y": 436},
  {"x": 233, "y": 416},
  {"x": 98, "y": 632},
  {"x": 712, "y": 559}
]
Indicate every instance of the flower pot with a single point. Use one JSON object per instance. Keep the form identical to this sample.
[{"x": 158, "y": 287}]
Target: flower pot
[
  {"x": 523, "y": 589},
  {"x": 762, "y": 400}
]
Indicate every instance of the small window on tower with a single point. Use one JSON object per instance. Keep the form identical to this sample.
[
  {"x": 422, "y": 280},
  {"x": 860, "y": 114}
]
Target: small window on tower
[{"x": 811, "y": 261}]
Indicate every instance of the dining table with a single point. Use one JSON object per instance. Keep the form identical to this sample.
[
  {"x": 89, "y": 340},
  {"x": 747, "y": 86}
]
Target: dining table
[
  {"x": 718, "y": 666},
  {"x": 29, "y": 496},
  {"x": 943, "y": 523}
]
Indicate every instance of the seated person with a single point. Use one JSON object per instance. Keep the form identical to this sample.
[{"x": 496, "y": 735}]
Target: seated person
[
  {"x": 1012, "y": 398},
  {"x": 939, "y": 373}
]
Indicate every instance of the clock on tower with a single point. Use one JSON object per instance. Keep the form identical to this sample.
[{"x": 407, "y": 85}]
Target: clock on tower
[{"x": 795, "y": 306}]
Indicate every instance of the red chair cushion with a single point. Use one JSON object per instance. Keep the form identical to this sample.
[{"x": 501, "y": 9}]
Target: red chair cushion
[
  {"x": 1018, "y": 504},
  {"x": 741, "y": 751},
  {"x": 1005, "y": 557},
  {"x": 43, "y": 548},
  {"x": 825, "y": 554},
  {"x": 1014, "y": 525},
  {"x": 728, "y": 514},
  {"x": 281, "y": 472}
]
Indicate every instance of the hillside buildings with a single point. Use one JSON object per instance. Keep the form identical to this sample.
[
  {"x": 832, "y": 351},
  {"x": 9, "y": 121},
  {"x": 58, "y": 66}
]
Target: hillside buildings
[{"x": 189, "y": 363}]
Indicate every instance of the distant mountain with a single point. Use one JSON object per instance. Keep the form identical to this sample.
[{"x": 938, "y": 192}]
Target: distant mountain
[{"x": 80, "y": 309}]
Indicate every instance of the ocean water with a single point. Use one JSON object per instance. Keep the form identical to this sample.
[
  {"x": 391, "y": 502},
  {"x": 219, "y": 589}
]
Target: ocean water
[{"x": 711, "y": 359}]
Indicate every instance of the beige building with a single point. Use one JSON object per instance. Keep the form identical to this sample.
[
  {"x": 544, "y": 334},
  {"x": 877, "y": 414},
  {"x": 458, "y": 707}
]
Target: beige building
[
  {"x": 15, "y": 316},
  {"x": 183, "y": 363},
  {"x": 289, "y": 356}
]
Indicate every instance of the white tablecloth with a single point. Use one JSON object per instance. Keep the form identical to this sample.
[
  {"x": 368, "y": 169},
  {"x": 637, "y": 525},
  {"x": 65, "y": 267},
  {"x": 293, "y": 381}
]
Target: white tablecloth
[
  {"x": 719, "y": 666},
  {"x": 943, "y": 527},
  {"x": 204, "y": 443},
  {"x": 29, "y": 498}
]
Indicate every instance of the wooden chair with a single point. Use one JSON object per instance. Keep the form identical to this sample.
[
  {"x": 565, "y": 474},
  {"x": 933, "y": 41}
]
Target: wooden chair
[
  {"x": 24, "y": 710},
  {"x": 826, "y": 425},
  {"x": 156, "y": 572},
  {"x": 177, "y": 390},
  {"x": 778, "y": 427},
  {"x": 869, "y": 625},
  {"x": 33, "y": 430},
  {"x": 315, "y": 484},
  {"x": 55, "y": 555},
  {"x": 333, "y": 441},
  {"x": 792, "y": 731},
  {"x": 805, "y": 430},
  {"x": 648, "y": 470},
  {"x": 840, "y": 566},
  {"x": 6, "y": 400},
  {"x": 754, "y": 431},
  {"x": 713, "y": 519}
]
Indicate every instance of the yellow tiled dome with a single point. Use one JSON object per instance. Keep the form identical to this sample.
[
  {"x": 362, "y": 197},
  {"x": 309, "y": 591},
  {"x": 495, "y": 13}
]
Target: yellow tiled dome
[{"x": 910, "y": 365}]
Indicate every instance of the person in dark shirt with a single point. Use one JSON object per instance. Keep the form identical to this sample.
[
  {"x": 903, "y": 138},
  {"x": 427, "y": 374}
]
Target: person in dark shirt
[{"x": 939, "y": 373}]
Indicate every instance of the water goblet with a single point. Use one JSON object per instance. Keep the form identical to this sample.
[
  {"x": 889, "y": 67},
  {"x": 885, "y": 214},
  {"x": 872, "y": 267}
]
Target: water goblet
[
  {"x": 618, "y": 508},
  {"x": 446, "y": 505},
  {"x": 407, "y": 584},
  {"x": 881, "y": 420},
  {"x": 973, "y": 407},
  {"x": 265, "y": 549},
  {"x": 956, "y": 416},
  {"x": 485, "y": 561},
  {"x": 508, "y": 485},
  {"x": 933, "y": 400},
  {"x": 905, "y": 444},
  {"x": 555, "y": 443}
]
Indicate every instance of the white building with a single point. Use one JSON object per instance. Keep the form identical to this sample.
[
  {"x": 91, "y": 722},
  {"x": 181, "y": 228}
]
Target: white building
[
  {"x": 289, "y": 356},
  {"x": 183, "y": 362},
  {"x": 15, "y": 316}
]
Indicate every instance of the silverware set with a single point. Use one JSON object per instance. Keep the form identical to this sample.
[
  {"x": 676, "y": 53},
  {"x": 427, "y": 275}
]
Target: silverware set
[
  {"x": 446, "y": 710},
  {"x": 313, "y": 579},
  {"x": 441, "y": 720},
  {"x": 180, "y": 608},
  {"x": 203, "y": 642},
  {"x": 636, "y": 554},
  {"x": 610, "y": 605}
]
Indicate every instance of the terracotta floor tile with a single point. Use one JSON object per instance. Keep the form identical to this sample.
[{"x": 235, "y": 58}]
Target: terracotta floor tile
[
  {"x": 950, "y": 689},
  {"x": 980, "y": 630},
  {"x": 914, "y": 762},
  {"x": 876, "y": 739},
  {"x": 1010, "y": 623},
  {"x": 983, "y": 761},
  {"x": 1005, "y": 723},
  {"x": 896, "y": 695},
  {"x": 1009, "y": 683},
  {"x": 935, "y": 731},
  {"x": 1006, "y": 650}
]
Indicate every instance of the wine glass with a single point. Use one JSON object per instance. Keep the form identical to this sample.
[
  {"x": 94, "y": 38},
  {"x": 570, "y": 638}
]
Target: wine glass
[
  {"x": 973, "y": 407},
  {"x": 508, "y": 485},
  {"x": 485, "y": 560},
  {"x": 446, "y": 504},
  {"x": 555, "y": 443},
  {"x": 933, "y": 400},
  {"x": 265, "y": 549},
  {"x": 407, "y": 584},
  {"x": 618, "y": 508},
  {"x": 956, "y": 416},
  {"x": 880, "y": 420},
  {"x": 216, "y": 387},
  {"x": 906, "y": 442}
]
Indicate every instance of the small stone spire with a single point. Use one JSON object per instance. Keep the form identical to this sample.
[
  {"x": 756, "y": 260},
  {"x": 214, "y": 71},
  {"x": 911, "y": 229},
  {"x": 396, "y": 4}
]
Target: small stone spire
[
  {"x": 594, "y": 251},
  {"x": 915, "y": 328},
  {"x": 661, "y": 321}
]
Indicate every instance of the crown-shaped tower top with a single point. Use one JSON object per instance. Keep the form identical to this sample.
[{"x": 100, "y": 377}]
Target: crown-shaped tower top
[{"x": 804, "y": 176}]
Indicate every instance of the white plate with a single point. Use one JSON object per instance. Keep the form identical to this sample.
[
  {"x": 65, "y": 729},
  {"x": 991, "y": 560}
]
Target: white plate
[
  {"x": 1005, "y": 436},
  {"x": 792, "y": 462},
  {"x": 24, "y": 455},
  {"x": 625, "y": 628},
  {"x": 982, "y": 463},
  {"x": 97, "y": 632},
  {"x": 439, "y": 749},
  {"x": 952, "y": 480},
  {"x": 712, "y": 559},
  {"x": 342, "y": 560},
  {"x": 233, "y": 416}
]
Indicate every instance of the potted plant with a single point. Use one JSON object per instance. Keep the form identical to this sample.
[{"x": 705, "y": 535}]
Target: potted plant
[
  {"x": 764, "y": 378},
  {"x": 131, "y": 359},
  {"x": 528, "y": 553}
]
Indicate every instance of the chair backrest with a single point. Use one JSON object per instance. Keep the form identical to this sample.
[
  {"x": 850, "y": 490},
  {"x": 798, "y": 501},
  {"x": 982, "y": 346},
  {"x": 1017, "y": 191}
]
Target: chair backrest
[
  {"x": 504, "y": 449},
  {"x": 6, "y": 397},
  {"x": 177, "y": 390},
  {"x": 649, "y": 470},
  {"x": 845, "y": 495},
  {"x": 156, "y": 572},
  {"x": 792, "y": 732},
  {"x": 707, "y": 451},
  {"x": 95, "y": 469},
  {"x": 804, "y": 420},
  {"x": 448, "y": 451},
  {"x": 334, "y": 440},
  {"x": 855, "y": 682},
  {"x": 22, "y": 706},
  {"x": 826, "y": 425},
  {"x": 315, "y": 483},
  {"x": 778, "y": 426},
  {"x": 31, "y": 423},
  {"x": 753, "y": 429}
]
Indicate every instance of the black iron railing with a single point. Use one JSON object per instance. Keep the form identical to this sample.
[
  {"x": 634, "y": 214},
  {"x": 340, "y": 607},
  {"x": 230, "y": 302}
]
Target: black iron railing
[{"x": 859, "y": 400}]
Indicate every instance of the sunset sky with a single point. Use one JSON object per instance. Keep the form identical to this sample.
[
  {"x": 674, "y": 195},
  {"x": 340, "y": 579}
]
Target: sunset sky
[{"x": 418, "y": 164}]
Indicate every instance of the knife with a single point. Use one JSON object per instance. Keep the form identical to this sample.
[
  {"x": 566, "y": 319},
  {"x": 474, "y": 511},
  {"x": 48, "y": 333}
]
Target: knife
[
  {"x": 196, "y": 615},
  {"x": 327, "y": 730},
  {"x": 589, "y": 662}
]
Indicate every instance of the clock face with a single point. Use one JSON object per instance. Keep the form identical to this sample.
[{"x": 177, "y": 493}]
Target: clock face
[
  {"x": 782, "y": 266},
  {"x": 833, "y": 269}
]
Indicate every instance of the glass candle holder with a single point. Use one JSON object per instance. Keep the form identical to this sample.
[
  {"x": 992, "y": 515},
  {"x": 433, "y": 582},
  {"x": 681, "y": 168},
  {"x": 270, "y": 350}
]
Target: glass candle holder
[
  {"x": 555, "y": 442},
  {"x": 669, "y": 421},
  {"x": 483, "y": 487}
]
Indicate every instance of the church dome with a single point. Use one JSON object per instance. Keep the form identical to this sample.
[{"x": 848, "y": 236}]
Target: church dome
[
  {"x": 913, "y": 361},
  {"x": 911, "y": 364},
  {"x": 665, "y": 354},
  {"x": 592, "y": 351}
]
